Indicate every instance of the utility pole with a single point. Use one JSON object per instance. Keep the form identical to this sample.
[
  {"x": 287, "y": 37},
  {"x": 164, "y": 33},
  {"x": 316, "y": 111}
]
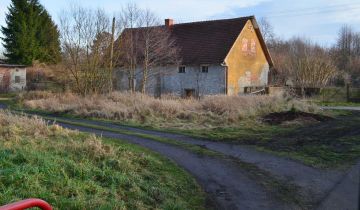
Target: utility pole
[{"x": 111, "y": 56}]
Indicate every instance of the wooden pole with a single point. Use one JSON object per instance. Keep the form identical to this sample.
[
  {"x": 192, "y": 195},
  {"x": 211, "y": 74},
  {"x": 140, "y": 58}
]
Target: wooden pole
[
  {"x": 347, "y": 92},
  {"x": 111, "y": 56}
]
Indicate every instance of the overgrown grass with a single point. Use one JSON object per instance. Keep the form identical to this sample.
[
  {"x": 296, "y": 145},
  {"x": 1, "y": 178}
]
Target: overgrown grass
[
  {"x": 209, "y": 112},
  {"x": 73, "y": 170}
]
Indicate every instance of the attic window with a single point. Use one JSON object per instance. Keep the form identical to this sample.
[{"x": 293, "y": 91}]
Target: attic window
[
  {"x": 204, "y": 69},
  {"x": 182, "y": 69}
]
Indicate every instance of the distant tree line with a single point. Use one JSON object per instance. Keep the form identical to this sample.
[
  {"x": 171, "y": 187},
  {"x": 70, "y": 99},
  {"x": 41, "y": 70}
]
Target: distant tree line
[{"x": 303, "y": 63}]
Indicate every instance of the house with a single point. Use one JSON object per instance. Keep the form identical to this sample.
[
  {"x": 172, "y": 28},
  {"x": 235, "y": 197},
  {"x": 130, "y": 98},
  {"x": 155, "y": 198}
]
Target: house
[
  {"x": 217, "y": 57},
  {"x": 12, "y": 77}
]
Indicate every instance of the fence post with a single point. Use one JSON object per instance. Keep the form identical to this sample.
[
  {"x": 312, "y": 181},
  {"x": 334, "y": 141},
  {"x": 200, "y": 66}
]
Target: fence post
[{"x": 347, "y": 92}]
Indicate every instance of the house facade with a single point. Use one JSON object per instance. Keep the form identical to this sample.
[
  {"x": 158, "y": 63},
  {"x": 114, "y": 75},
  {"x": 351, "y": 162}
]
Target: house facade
[
  {"x": 217, "y": 57},
  {"x": 12, "y": 78}
]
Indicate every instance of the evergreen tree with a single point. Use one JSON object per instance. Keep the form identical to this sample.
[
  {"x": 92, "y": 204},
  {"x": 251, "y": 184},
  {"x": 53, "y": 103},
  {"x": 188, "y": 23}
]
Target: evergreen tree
[{"x": 30, "y": 34}]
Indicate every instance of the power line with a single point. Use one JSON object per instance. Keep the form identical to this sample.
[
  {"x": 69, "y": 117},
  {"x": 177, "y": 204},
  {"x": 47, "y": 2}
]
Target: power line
[
  {"x": 310, "y": 13},
  {"x": 315, "y": 9}
]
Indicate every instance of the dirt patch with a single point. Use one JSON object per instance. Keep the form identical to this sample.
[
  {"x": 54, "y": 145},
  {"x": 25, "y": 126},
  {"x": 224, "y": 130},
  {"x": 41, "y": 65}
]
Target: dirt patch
[{"x": 289, "y": 116}]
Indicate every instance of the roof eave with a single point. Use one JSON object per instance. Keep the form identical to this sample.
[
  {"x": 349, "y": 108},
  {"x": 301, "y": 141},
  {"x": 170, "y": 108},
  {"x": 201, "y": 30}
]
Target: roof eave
[{"x": 262, "y": 42}]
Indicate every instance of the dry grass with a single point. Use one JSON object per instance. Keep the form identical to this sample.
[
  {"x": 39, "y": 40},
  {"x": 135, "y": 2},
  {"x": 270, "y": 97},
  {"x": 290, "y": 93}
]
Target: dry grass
[{"x": 211, "y": 111}]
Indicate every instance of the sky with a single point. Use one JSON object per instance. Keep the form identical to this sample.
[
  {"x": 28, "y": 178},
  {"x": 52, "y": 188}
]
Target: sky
[{"x": 318, "y": 20}]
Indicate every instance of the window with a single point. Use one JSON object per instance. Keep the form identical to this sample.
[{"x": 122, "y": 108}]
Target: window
[
  {"x": 189, "y": 93},
  {"x": 253, "y": 46},
  {"x": 244, "y": 47},
  {"x": 182, "y": 69},
  {"x": 204, "y": 69},
  {"x": 17, "y": 79}
]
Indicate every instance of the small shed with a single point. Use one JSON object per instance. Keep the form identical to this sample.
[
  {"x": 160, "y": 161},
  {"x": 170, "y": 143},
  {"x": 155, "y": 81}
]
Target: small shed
[{"x": 12, "y": 77}]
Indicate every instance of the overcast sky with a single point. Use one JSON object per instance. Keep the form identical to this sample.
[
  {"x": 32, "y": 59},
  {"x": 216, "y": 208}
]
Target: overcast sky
[{"x": 318, "y": 20}]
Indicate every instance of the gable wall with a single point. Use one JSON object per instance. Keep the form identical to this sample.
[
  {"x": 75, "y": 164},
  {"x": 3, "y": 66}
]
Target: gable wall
[{"x": 246, "y": 61}]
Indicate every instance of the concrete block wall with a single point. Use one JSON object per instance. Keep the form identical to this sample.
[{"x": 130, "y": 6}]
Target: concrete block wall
[{"x": 168, "y": 80}]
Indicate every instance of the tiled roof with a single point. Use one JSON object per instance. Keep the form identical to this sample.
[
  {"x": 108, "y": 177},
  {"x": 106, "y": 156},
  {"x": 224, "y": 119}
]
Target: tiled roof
[
  {"x": 11, "y": 66},
  {"x": 207, "y": 42}
]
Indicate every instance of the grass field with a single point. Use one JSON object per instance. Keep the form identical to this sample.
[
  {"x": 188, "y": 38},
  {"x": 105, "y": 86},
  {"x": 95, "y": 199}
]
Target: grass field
[{"x": 72, "y": 170}]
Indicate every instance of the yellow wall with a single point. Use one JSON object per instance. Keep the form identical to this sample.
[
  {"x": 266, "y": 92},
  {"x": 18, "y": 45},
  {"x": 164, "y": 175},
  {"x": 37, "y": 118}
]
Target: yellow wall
[{"x": 246, "y": 61}]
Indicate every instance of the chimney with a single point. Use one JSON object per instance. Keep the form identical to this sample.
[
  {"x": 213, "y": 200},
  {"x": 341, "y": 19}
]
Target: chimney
[{"x": 169, "y": 22}]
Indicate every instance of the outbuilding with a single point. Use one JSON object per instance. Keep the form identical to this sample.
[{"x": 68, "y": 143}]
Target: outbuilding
[{"x": 12, "y": 78}]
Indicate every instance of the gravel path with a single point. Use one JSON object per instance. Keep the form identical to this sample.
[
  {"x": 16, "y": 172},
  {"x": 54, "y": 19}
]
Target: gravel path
[
  {"x": 3, "y": 106},
  {"x": 343, "y": 193}
]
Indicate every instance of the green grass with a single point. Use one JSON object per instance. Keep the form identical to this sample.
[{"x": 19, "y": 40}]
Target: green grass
[
  {"x": 350, "y": 104},
  {"x": 8, "y": 95},
  {"x": 73, "y": 170}
]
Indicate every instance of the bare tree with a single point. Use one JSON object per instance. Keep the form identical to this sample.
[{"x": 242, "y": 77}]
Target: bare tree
[
  {"x": 143, "y": 45},
  {"x": 309, "y": 65},
  {"x": 85, "y": 40},
  {"x": 347, "y": 53},
  {"x": 156, "y": 46},
  {"x": 267, "y": 30},
  {"x": 126, "y": 46}
]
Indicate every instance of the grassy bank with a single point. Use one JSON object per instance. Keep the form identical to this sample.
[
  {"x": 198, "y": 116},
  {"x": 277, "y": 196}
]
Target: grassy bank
[{"x": 72, "y": 170}]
